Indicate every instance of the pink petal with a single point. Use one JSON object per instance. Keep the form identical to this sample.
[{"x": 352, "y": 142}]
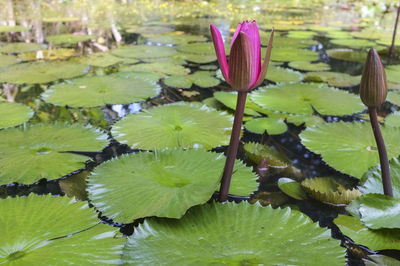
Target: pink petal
[
  {"x": 264, "y": 67},
  {"x": 220, "y": 51},
  {"x": 236, "y": 33},
  {"x": 251, "y": 29}
]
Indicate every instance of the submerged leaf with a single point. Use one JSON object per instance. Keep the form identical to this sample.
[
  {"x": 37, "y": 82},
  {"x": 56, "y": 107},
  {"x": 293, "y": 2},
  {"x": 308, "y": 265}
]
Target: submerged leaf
[{"x": 201, "y": 238}]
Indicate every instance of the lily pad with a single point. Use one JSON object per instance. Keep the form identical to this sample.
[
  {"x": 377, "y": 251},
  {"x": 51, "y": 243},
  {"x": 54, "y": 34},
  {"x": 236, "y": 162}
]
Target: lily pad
[
  {"x": 393, "y": 120},
  {"x": 291, "y": 238},
  {"x": 44, "y": 230},
  {"x": 42, "y": 72},
  {"x": 202, "y": 48},
  {"x": 180, "y": 125},
  {"x": 68, "y": 39},
  {"x": 292, "y": 188},
  {"x": 20, "y": 47},
  {"x": 335, "y": 79},
  {"x": 338, "y": 35},
  {"x": 53, "y": 54},
  {"x": 163, "y": 184},
  {"x": 349, "y": 147},
  {"x": 330, "y": 190},
  {"x": 199, "y": 58},
  {"x": 286, "y": 54},
  {"x": 347, "y": 55},
  {"x": 302, "y": 98},
  {"x": 203, "y": 79},
  {"x": 102, "y": 90},
  {"x": 373, "y": 239},
  {"x": 175, "y": 38},
  {"x": 376, "y": 260},
  {"x": 301, "y": 34},
  {"x": 162, "y": 69},
  {"x": 44, "y": 151},
  {"x": 229, "y": 100},
  {"x": 394, "y": 97},
  {"x": 307, "y": 120},
  {"x": 309, "y": 66},
  {"x": 393, "y": 73},
  {"x": 280, "y": 74},
  {"x": 14, "y": 114},
  {"x": 144, "y": 51},
  {"x": 103, "y": 60},
  {"x": 354, "y": 43},
  {"x": 13, "y": 28},
  {"x": 6, "y": 60},
  {"x": 149, "y": 29},
  {"x": 273, "y": 126},
  {"x": 283, "y": 41}
]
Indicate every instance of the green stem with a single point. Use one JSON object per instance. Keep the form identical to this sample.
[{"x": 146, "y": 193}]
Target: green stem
[
  {"x": 233, "y": 147},
  {"x": 391, "y": 51},
  {"x": 387, "y": 183}
]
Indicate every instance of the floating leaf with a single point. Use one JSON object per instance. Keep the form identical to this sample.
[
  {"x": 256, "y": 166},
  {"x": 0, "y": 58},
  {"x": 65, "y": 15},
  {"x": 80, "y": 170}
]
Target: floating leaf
[
  {"x": 175, "y": 38},
  {"x": 291, "y": 238},
  {"x": 307, "y": 120},
  {"x": 301, "y": 34},
  {"x": 53, "y": 54},
  {"x": 200, "y": 58},
  {"x": 102, "y": 90},
  {"x": 42, "y": 72},
  {"x": 286, "y": 54},
  {"x": 180, "y": 125},
  {"x": 280, "y": 74},
  {"x": 309, "y": 66},
  {"x": 338, "y": 35},
  {"x": 302, "y": 98},
  {"x": 393, "y": 120},
  {"x": 20, "y": 47},
  {"x": 6, "y": 60},
  {"x": 163, "y": 184},
  {"x": 347, "y": 55},
  {"x": 229, "y": 100},
  {"x": 203, "y": 79},
  {"x": 392, "y": 73},
  {"x": 291, "y": 188},
  {"x": 44, "y": 151},
  {"x": 349, "y": 147},
  {"x": 273, "y": 126},
  {"x": 68, "y": 39},
  {"x": 377, "y": 260},
  {"x": 203, "y": 48},
  {"x": 13, "y": 114},
  {"x": 381, "y": 36},
  {"x": 335, "y": 79},
  {"x": 329, "y": 189},
  {"x": 354, "y": 43},
  {"x": 373, "y": 239},
  {"x": 275, "y": 199},
  {"x": 283, "y": 41},
  {"x": 149, "y": 29},
  {"x": 394, "y": 97},
  {"x": 162, "y": 69},
  {"x": 13, "y": 28},
  {"x": 103, "y": 60},
  {"x": 144, "y": 51},
  {"x": 46, "y": 230}
]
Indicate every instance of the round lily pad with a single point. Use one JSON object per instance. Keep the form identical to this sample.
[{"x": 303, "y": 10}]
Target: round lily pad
[
  {"x": 202, "y": 48},
  {"x": 164, "y": 183},
  {"x": 48, "y": 54},
  {"x": 394, "y": 97},
  {"x": 286, "y": 54},
  {"x": 68, "y": 39},
  {"x": 199, "y": 58},
  {"x": 103, "y": 60},
  {"x": 302, "y": 98},
  {"x": 202, "y": 236},
  {"x": 47, "y": 230},
  {"x": 102, "y": 90},
  {"x": 393, "y": 120},
  {"x": 354, "y": 43},
  {"x": 301, "y": 34},
  {"x": 42, "y": 72},
  {"x": 335, "y": 79},
  {"x": 13, "y": 114},
  {"x": 292, "y": 188},
  {"x": 175, "y": 38},
  {"x": 144, "y": 51},
  {"x": 43, "y": 150},
  {"x": 392, "y": 74},
  {"x": 13, "y": 28},
  {"x": 6, "y": 60},
  {"x": 280, "y": 74},
  {"x": 309, "y": 66},
  {"x": 229, "y": 100},
  {"x": 20, "y": 47},
  {"x": 273, "y": 126},
  {"x": 307, "y": 120},
  {"x": 283, "y": 41},
  {"x": 162, "y": 69},
  {"x": 180, "y": 125},
  {"x": 338, "y": 35},
  {"x": 149, "y": 29},
  {"x": 347, "y": 55},
  {"x": 349, "y": 147},
  {"x": 203, "y": 79}
]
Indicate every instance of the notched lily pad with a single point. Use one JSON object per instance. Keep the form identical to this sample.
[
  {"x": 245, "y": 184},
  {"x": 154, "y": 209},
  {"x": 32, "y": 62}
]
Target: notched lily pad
[
  {"x": 290, "y": 237},
  {"x": 292, "y": 188},
  {"x": 179, "y": 125},
  {"x": 335, "y": 79},
  {"x": 144, "y": 51},
  {"x": 229, "y": 100},
  {"x": 14, "y": 114},
  {"x": 270, "y": 125},
  {"x": 280, "y": 74},
  {"x": 203, "y": 79},
  {"x": 309, "y": 66},
  {"x": 104, "y": 60}
]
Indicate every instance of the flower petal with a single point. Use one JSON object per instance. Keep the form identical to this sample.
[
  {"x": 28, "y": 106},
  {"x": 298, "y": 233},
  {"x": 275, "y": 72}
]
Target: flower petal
[
  {"x": 236, "y": 32},
  {"x": 264, "y": 67},
  {"x": 241, "y": 59},
  {"x": 220, "y": 51},
  {"x": 251, "y": 30}
]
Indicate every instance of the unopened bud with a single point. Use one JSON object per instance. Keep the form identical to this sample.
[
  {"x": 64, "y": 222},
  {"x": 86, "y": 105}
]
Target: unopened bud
[{"x": 373, "y": 87}]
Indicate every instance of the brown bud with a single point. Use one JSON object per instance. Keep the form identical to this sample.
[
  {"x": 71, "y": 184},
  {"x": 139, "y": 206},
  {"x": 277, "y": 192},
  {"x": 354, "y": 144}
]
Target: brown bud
[{"x": 373, "y": 87}]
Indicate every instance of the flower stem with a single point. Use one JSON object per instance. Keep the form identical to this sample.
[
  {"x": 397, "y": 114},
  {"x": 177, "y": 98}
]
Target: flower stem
[
  {"x": 391, "y": 50},
  {"x": 387, "y": 183},
  {"x": 233, "y": 147}
]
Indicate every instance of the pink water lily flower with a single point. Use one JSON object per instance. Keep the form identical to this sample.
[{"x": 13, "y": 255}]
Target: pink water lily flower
[{"x": 244, "y": 71}]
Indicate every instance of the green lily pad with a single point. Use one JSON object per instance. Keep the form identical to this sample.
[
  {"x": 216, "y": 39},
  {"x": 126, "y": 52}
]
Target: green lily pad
[
  {"x": 47, "y": 230},
  {"x": 6, "y": 60},
  {"x": 20, "y": 47},
  {"x": 14, "y": 114},
  {"x": 200, "y": 58},
  {"x": 101, "y": 90},
  {"x": 175, "y": 38},
  {"x": 377, "y": 260},
  {"x": 301, "y": 34},
  {"x": 393, "y": 73},
  {"x": 144, "y": 51},
  {"x": 292, "y": 188},
  {"x": 323, "y": 28},
  {"x": 307, "y": 120},
  {"x": 103, "y": 60},
  {"x": 393, "y": 120},
  {"x": 348, "y": 55},
  {"x": 335, "y": 79},
  {"x": 354, "y": 43},
  {"x": 330, "y": 190},
  {"x": 273, "y": 126},
  {"x": 349, "y": 147},
  {"x": 394, "y": 97},
  {"x": 149, "y": 29},
  {"x": 162, "y": 69},
  {"x": 280, "y": 74},
  {"x": 18, "y": 28},
  {"x": 203, "y": 79},
  {"x": 44, "y": 151},
  {"x": 264, "y": 198},
  {"x": 229, "y": 100},
  {"x": 286, "y": 54},
  {"x": 68, "y": 39},
  {"x": 202, "y": 48},
  {"x": 338, "y": 35},
  {"x": 162, "y": 184},
  {"x": 373, "y": 239},
  {"x": 291, "y": 238},
  {"x": 176, "y": 125},
  {"x": 51, "y": 54},
  {"x": 302, "y": 98},
  {"x": 42, "y": 72},
  {"x": 59, "y": 19},
  {"x": 381, "y": 36},
  {"x": 283, "y": 41},
  {"x": 371, "y": 182},
  {"x": 309, "y": 66}
]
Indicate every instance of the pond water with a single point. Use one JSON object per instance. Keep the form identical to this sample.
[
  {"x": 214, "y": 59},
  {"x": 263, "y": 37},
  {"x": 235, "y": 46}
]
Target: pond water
[{"x": 97, "y": 80}]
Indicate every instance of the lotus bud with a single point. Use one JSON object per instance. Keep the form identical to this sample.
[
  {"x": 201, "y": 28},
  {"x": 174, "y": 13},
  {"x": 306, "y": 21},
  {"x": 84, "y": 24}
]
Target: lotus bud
[{"x": 373, "y": 87}]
